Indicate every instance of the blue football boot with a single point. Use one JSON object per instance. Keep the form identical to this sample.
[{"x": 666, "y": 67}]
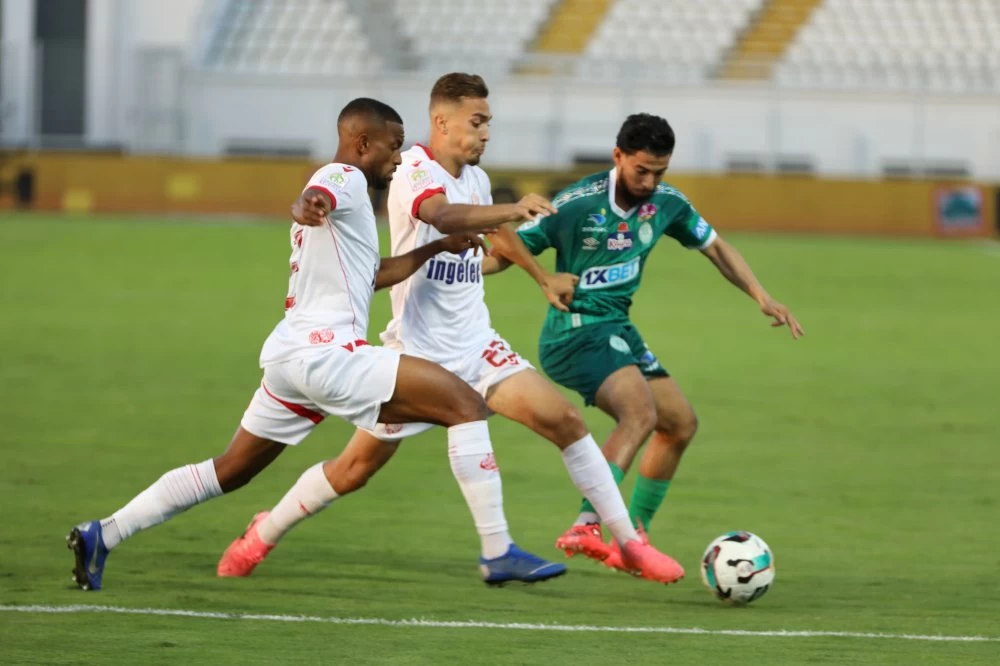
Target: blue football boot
[
  {"x": 518, "y": 565},
  {"x": 86, "y": 540}
]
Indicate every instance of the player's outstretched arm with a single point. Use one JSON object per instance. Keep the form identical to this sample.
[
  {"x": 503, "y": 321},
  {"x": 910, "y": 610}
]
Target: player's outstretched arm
[
  {"x": 393, "y": 270},
  {"x": 449, "y": 218},
  {"x": 734, "y": 267},
  {"x": 495, "y": 263},
  {"x": 312, "y": 207},
  {"x": 558, "y": 288}
]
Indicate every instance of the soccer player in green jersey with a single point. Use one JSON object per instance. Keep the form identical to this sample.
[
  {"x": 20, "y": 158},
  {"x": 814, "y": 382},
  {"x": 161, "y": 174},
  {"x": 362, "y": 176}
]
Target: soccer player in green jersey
[{"x": 604, "y": 230}]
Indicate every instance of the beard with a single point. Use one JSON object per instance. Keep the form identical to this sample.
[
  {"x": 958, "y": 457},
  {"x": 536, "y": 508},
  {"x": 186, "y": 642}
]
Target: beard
[
  {"x": 381, "y": 182},
  {"x": 631, "y": 197}
]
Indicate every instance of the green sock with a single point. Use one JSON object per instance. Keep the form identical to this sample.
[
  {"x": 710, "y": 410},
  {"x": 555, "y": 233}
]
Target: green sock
[
  {"x": 616, "y": 472},
  {"x": 647, "y": 496}
]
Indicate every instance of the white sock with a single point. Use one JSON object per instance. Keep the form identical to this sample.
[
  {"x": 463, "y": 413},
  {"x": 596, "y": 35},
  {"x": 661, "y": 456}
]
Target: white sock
[
  {"x": 592, "y": 477},
  {"x": 175, "y": 492},
  {"x": 475, "y": 469},
  {"x": 311, "y": 494},
  {"x": 587, "y": 518}
]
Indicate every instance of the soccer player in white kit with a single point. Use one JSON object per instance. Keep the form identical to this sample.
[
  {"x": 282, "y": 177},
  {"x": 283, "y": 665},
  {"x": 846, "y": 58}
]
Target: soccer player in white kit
[
  {"x": 317, "y": 361},
  {"x": 440, "y": 314}
]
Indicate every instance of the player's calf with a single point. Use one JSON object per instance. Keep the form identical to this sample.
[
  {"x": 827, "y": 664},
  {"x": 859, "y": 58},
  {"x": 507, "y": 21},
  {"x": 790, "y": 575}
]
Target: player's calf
[
  {"x": 358, "y": 462},
  {"x": 246, "y": 456},
  {"x": 626, "y": 397}
]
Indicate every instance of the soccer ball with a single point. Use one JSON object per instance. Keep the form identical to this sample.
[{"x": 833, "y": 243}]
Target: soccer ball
[{"x": 738, "y": 568}]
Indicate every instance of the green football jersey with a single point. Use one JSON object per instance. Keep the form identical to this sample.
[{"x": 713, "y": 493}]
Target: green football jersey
[{"x": 607, "y": 247}]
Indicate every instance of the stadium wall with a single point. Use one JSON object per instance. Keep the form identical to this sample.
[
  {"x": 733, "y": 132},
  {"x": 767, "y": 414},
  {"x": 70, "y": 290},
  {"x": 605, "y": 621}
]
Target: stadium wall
[
  {"x": 551, "y": 123},
  {"x": 101, "y": 183},
  {"x": 146, "y": 94}
]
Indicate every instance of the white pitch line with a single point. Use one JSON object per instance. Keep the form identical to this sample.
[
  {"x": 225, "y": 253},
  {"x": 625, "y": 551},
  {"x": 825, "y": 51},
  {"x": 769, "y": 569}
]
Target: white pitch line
[{"x": 472, "y": 624}]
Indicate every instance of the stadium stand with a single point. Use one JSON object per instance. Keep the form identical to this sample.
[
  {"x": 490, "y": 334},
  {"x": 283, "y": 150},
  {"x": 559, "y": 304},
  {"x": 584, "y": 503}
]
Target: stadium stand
[
  {"x": 480, "y": 36},
  {"x": 290, "y": 37},
  {"x": 937, "y": 45},
  {"x": 675, "y": 40}
]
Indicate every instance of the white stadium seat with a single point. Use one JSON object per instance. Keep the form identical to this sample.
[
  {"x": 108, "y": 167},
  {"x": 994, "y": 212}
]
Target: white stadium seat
[
  {"x": 937, "y": 45},
  {"x": 291, "y": 36},
  {"x": 677, "y": 40},
  {"x": 941, "y": 45}
]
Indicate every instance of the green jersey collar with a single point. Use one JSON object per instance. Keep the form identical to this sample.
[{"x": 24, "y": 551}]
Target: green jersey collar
[{"x": 615, "y": 208}]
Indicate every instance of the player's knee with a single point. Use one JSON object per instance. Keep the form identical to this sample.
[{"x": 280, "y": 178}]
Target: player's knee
[
  {"x": 679, "y": 430},
  {"x": 639, "y": 423},
  {"x": 567, "y": 425},
  {"x": 467, "y": 407},
  {"x": 689, "y": 427}
]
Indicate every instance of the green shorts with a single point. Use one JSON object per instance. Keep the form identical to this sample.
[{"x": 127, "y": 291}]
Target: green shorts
[{"x": 591, "y": 354}]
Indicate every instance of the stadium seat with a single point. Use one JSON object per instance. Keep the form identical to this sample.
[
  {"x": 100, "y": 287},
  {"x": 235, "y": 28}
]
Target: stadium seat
[
  {"x": 933, "y": 45},
  {"x": 470, "y": 34},
  {"x": 677, "y": 40},
  {"x": 290, "y": 37}
]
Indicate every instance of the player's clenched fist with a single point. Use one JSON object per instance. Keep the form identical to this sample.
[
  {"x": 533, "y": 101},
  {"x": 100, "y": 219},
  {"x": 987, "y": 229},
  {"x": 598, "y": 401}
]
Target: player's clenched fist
[
  {"x": 458, "y": 243},
  {"x": 532, "y": 205},
  {"x": 559, "y": 289},
  {"x": 310, "y": 209}
]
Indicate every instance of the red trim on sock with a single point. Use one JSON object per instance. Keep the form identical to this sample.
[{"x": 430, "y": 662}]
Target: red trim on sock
[{"x": 197, "y": 479}]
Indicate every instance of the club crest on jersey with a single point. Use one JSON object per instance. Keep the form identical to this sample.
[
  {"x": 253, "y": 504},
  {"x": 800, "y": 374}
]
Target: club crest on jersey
[
  {"x": 420, "y": 179},
  {"x": 600, "y": 219},
  {"x": 622, "y": 240},
  {"x": 591, "y": 244},
  {"x": 335, "y": 179},
  {"x": 321, "y": 336},
  {"x": 619, "y": 344},
  {"x": 647, "y": 211},
  {"x": 530, "y": 224},
  {"x": 646, "y": 233}
]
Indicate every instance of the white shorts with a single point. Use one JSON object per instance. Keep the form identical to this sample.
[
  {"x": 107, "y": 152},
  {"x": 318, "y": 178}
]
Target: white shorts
[
  {"x": 482, "y": 371},
  {"x": 296, "y": 395}
]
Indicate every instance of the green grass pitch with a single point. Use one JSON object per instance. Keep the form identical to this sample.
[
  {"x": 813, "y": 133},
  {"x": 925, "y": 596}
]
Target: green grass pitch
[{"x": 866, "y": 454}]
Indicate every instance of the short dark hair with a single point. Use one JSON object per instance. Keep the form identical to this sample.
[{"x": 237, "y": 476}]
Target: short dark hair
[
  {"x": 371, "y": 108},
  {"x": 644, "y": 131},
  {"x": 456, "y": 86}
]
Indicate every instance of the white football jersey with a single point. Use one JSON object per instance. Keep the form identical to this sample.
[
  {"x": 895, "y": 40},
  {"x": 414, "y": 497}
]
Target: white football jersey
[
  {"x": 331, "y": 271},
  {"x": 439, "y": 313}
]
